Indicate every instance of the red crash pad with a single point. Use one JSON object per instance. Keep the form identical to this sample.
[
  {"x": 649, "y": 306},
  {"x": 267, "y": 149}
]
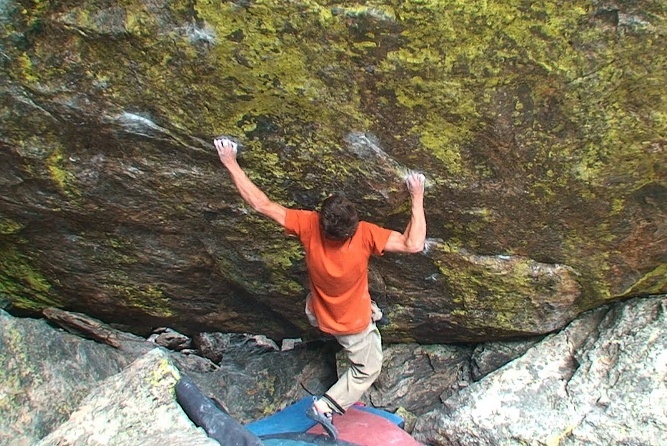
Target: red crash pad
[{"x": 365, "y": 429}]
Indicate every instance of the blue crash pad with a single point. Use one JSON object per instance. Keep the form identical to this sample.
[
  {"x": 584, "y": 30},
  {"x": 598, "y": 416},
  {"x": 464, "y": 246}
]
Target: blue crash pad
[{"x": 293, "y": 419}]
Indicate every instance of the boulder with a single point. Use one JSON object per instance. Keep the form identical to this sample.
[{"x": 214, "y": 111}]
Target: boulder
[
  {"x": 491, "y": 356},
  {"x": 47, "y": 372},
  {"x": 540, "y": 130},
  {"x": 44, "y": 376},
  {"x": 600, "y": 381},
  {"x": 134, "y": 407},
  {"x": 172, "y": 340},
  {"x": 254, "y": 382}
]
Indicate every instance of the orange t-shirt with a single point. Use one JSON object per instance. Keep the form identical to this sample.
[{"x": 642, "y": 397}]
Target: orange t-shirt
[{"x": 338, "y": 271}]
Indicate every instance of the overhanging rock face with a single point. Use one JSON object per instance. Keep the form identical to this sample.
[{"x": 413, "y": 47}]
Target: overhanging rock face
[{"x": 541, "y": 132}]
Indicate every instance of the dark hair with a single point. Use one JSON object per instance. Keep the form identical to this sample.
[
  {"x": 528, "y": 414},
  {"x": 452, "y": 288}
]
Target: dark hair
[{"x": 338, "y": 218}]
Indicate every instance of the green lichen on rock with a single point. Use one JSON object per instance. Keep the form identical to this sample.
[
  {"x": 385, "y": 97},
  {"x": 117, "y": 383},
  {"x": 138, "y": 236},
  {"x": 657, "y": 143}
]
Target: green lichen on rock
[
  {"x": 149, "y": 299},
  {"x": 280, "y": 259},
  {"x": 266, "y": 51},
  {"x": 9, "y": 226},
  {"x": 63, "y": 179},
  {"x": 541, "y": 130},
  {"x": 508, "y": 293},
  {"x": 23, "y": 286},
  {"x": 653, "y": 282}
]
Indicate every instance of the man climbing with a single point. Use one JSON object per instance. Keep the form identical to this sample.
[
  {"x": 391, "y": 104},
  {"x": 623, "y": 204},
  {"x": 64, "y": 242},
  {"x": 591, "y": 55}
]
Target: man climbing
[{"x": 338, "y": 247}]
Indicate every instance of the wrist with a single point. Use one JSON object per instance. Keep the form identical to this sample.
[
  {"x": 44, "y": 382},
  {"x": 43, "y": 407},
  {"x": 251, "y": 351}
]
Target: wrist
[{"x": 230, "y": 164}]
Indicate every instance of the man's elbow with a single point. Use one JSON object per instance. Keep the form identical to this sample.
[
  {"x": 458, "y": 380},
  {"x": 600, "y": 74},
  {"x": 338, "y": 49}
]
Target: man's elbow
[
  {"x": 262, "y": 206},
  {"x": 414, "y": 248}
]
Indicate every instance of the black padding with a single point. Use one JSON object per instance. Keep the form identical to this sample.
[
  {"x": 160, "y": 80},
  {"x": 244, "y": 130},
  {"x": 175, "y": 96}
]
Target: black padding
[{"x": 204, "y": 413}]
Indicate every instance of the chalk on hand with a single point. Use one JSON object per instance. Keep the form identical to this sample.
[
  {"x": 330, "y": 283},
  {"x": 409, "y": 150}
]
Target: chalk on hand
[
  {"x": 224, "y": 140},
  {"x": 415, "y": 174}
]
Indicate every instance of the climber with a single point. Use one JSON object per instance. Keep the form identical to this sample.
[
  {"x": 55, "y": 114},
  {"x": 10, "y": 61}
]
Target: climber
[{"x": 338, "y": 247}]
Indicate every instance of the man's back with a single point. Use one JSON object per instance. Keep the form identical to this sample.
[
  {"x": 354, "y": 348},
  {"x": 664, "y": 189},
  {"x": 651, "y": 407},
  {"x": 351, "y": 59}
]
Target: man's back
[{"x": 338, "y": 271}]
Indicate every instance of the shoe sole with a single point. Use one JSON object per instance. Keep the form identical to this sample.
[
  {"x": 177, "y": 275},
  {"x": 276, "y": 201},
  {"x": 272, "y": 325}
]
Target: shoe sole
[{"x": 328, "y": 426}]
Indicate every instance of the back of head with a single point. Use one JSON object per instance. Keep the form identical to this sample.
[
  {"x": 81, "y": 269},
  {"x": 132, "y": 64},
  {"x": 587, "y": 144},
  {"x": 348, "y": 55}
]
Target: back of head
[{"x": 338, "y": 218}]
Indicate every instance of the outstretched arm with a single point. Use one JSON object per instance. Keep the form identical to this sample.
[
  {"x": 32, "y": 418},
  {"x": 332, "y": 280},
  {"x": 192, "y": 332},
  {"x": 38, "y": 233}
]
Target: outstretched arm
[
  {"x": 249, "y": 192},
  {"x": 413, "y": 238}
]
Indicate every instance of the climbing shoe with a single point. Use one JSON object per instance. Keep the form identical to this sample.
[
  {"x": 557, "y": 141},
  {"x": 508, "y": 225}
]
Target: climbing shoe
[{"x": 324, "y": 419}]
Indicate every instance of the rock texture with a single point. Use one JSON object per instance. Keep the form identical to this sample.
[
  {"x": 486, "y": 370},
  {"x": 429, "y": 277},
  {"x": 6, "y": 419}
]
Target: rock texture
[
  {"x": 417, "y": 378},
  {"x": 134, "y": 407},
  {"x": 252, "y": 382},
  {"x": 541, "y": 130},
  {"x": 601, "y": 381},
  {"x": 44, "y": 375}
]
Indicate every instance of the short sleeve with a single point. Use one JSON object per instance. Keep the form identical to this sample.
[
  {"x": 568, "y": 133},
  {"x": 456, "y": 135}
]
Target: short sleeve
[
  {"x": 375, "y": 237},
  {"x": 297, "y": 221}
]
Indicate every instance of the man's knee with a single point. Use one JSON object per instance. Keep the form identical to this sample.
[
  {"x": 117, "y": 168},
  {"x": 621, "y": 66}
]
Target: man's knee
[
  {"x": 370, "y": 369},
  {"x": 376, "y": 356},
  {"x": 374, "y": 372},
  {"x": 365, "y": 373}
]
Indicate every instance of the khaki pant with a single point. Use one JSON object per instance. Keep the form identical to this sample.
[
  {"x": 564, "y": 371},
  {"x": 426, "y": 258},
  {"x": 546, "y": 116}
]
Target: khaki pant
[{"x": 364, "y": 354}]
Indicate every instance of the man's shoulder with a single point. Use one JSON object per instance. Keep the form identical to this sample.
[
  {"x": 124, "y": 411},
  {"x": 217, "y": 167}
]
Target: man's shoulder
[
  {"x": 370, "y": 225},
  {"x": 300, "y": 220},
  {"x": 302, "y": 213},
  {"x": 374, "y": 233}
]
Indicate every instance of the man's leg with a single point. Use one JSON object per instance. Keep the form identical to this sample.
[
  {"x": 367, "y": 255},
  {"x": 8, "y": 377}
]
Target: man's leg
[{"x": 364, "y": 352}]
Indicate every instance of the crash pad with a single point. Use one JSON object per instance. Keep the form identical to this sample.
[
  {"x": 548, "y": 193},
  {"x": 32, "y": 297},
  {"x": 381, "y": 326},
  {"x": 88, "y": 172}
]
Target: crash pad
[
  {"x": 365, "y": 428},
  {"x": 290, "y": 419},
  {"x": 396, "y": 419},
  {"x": 302, "y": 440},
  {"x": 205, "y": 413},
  {"x": 293, "y": 419},
  {"x": 359, "y": 426}
]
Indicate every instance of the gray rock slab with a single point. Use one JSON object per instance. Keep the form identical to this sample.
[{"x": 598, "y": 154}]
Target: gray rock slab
[
  {"x": 44, "y": 375},
  {"x": 600, "y": 381},
  {"x": 259, "y": 382},
  {"x": 134, "y": 407}
]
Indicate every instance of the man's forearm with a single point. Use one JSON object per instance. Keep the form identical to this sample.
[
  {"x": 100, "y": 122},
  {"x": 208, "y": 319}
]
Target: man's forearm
[
  {"x": 413, "y": 239},
  {"x": 415, "y": 231},
  {"x": 247, "y": 189}
]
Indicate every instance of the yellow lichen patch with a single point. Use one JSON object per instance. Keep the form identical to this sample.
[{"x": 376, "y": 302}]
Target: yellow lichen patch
[
  {"x": 25, "y": 287},
  {"x": 164, "y": 373},
  {"x": 27, "y": 71},
  {"x": 556, "y": 440},
  {"x": 149, "y": 298},
  {"x": 9, "y": 226},
  {"x": 442, "y": 139},
  {"x": 63, "y": 179},
  {"x": 653, "y": 282},
  {"x": 139, "y": 21},
  {"x": 262, "y": 52}
]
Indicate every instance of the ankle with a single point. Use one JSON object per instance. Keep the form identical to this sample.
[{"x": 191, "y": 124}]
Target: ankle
[{"x": 322, "y": 406}]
